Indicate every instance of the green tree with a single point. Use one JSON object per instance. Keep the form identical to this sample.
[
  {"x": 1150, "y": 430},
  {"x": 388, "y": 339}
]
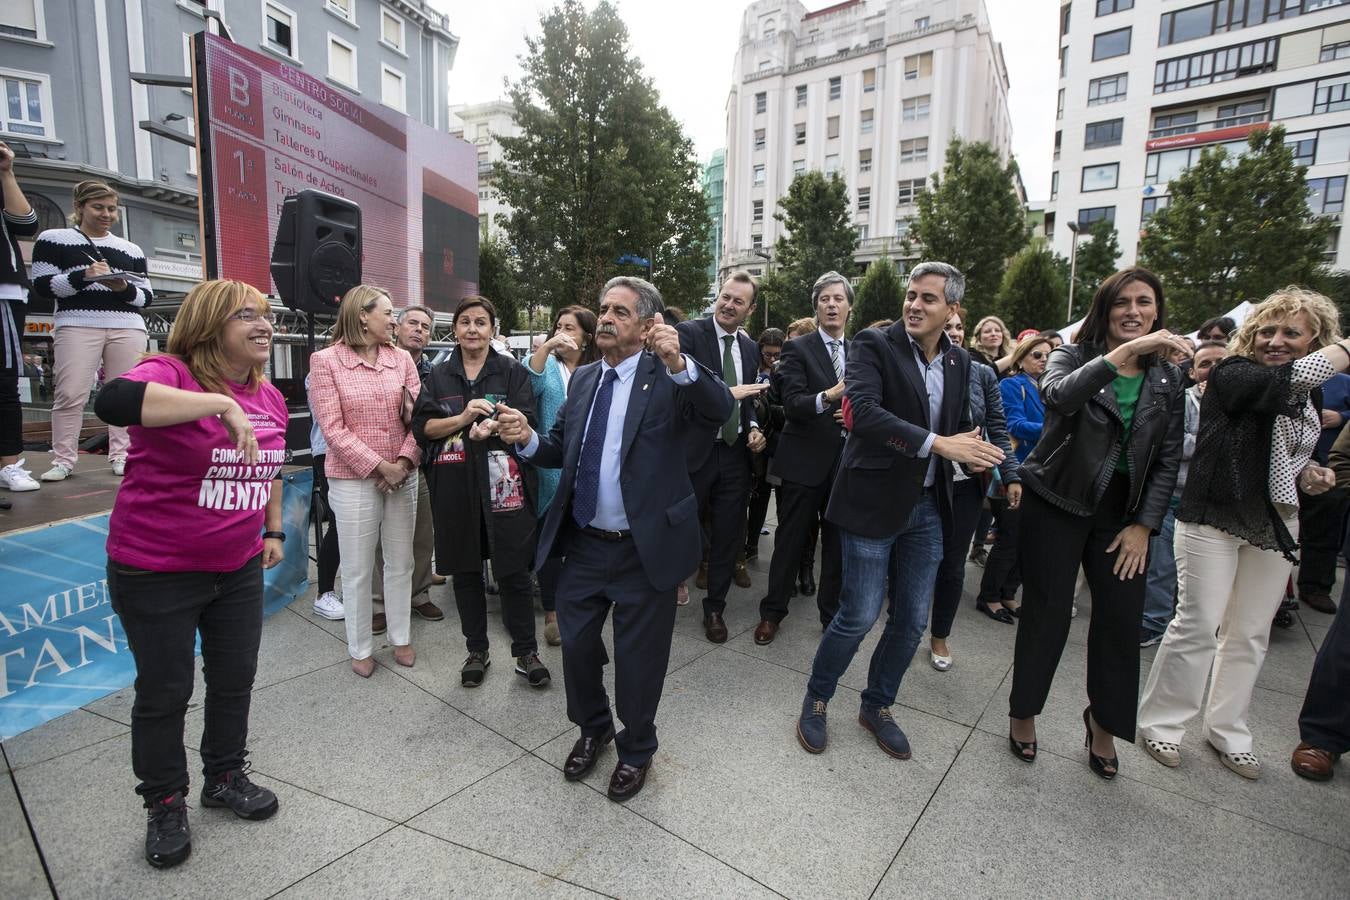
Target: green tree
[
  {"x": 820, "y": 238},
  {"x": 776, "y": 306},
  {"x": 600, "y": 170},
  {"x": 879, "y": 296},
  {"x": 1096, "y": 262},
  {"x": 1033, "y": 291},
  {"x": 499, "y": 281},
  {"x": 972, "y": 218},
  {"x": 1236, "y": 229}
]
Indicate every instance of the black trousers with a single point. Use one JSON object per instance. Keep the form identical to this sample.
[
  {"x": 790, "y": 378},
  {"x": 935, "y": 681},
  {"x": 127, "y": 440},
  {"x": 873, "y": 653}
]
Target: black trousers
[
  {"x": 723, "y": 489},
  {"x": 11, "y": 416},
  {"x": 1002, "y": 570},
  {"x": 1324, "y": 721},
  {"x": 967, "y": 503},
  {"x": 548, "y": 583},
  {"x": 162, "y": 613},
  {"x": 800, "y": 507},
  {"x": 1054, "y": 544},
  {"x": 1320, "y": 519},
  {"x": 598, "y": 575},
  {"x": 758, "y": 511},
  {"x": 515, "y": 594},
  {"x": 328, "y": 556}
]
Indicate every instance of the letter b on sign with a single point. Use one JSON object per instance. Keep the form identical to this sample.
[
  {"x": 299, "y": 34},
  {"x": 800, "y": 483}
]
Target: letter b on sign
[{"x": 239, "y": 87}]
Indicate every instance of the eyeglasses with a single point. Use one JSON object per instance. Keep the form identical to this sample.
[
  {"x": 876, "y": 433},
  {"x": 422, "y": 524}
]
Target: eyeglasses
[
  {"x": 249, "y": 315},
  {"x": 1038, "y": 354}
]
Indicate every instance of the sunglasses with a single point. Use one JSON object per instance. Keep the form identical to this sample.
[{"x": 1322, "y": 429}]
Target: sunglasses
[{"x": 1038, "y": 354}]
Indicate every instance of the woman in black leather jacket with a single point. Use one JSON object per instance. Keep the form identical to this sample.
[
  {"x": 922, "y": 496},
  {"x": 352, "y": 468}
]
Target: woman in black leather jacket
[{"x": 1094, "y": 489}]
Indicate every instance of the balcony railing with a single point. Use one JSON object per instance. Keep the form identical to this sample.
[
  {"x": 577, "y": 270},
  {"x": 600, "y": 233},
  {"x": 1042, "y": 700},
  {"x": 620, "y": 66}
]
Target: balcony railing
[{"x": 1212, "y": 125}]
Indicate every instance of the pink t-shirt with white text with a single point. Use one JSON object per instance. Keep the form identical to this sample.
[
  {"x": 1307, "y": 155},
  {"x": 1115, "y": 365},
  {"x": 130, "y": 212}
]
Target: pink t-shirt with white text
[{"x": 188, "y": 503}]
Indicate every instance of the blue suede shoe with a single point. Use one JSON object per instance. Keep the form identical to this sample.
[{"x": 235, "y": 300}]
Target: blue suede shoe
[
  {"x": 811, "y": 726},
  {"x": 888, "y": 734}
]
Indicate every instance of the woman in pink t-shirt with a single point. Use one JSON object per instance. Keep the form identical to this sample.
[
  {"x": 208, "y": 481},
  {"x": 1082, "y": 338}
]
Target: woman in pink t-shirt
[{"x": 195, "y": 522}]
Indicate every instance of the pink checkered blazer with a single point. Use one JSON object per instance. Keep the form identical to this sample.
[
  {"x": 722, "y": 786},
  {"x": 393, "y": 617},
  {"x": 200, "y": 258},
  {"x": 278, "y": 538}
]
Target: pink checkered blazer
[{"x": 360, "y": 408}]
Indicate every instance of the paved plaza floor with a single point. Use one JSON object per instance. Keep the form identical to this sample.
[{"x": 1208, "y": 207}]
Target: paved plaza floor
[{"x": 408, "y": 785}]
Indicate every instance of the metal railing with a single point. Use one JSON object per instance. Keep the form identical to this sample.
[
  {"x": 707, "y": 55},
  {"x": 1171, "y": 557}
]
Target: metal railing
[{"x": 1210, "y": 125}]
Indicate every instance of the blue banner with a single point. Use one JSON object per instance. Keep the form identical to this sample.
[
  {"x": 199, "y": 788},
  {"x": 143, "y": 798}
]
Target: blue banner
[{"x": 61, "y": 644}]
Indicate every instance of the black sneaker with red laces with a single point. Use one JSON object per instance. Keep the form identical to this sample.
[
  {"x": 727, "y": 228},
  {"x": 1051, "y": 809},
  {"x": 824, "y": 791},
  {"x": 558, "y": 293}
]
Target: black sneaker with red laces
[
  {"x": 246, "y": 799},
  {"x": 168, "y": 841}
]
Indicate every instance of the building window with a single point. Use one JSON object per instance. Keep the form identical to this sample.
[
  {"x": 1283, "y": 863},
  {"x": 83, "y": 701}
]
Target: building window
[
  {"x": 920, "y": 65},
  {"x": 869, "y": 80},
  {"x": 759, "y": 175},
  {"x": 393, "y": 92},
  {"x": 1106, "y": 7},
  {"x": 799, "y": 134},
  {"x": 391, "y": 30},
  {"x": 1224, "y": 64},
  {"x": 921, "y": 23},
  {"x": 1103, "y": 134},
  {"x": 1059, "y": 105},
  {"x": 1109, "y": 89},
  {"x": 1333, "y": 241},
  {"x": 1064, "y": 19},
  {"x": 1240, "y": 114},
  {"x": 1054, "y": 185},
  {"x": 865, "y": 122},
  {"x": 1331, "y": 98},
  {"x": 757, "y": 211},
  {"x": 1332, "y": 52},
  {"x": 915, "y": 109},
  {"x": 759, "y": 138},
  {"x": 831, "y": 163},
  {"x": 765, "y": 65},
  {"x": 798, "y": 167},
  {"x": 342, "y": 8},
  {"x": 27, "y": 109},
  {"x": 801, "y": 96},
  {"x": 1096, "y": 214},
  {"x": 908, "y": 190},
  {"x": 24, "y": 19},
  {"x": 1101, "y": 178},
  {"x": 1063, "y": 60},
  {"x": 836, "y": 87},
  {"x": 914, "y": 150},
  {"x": 1175, "y": 123},
  {"x": 1333, "y": 145},
  {"x": 832, "y": 127},
  {"x": 862, "y": 231},
  {"x": 761, "y": 102},
  {"x": 1150, "y": 207},
  {"x": 902, "y": 228},
  {"x": 1303, "y": 146},
  {"x": 1059, "y": 143},
  {"x": 279, "y": 29},
  {"x": 1162, "y": 167},
  {"x": 865, "y": 160},
  {"x": 1110, "y": 44},
  {"x": 341, "y": 61},
  {"x": 1231, "y": 15},
  {"x": 865, "y": 199},
  {"x": 1326, "y": 196},
  {"x": 757, "y": 241},
  {"x": 770, "y": 29}
]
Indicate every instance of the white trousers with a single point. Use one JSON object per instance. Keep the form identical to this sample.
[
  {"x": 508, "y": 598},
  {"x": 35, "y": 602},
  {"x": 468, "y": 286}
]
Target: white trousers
[
  {"x": 1224, "y": 584},
  {"x": 367, "y": 519},
  {"x": 79, "y": 351}
]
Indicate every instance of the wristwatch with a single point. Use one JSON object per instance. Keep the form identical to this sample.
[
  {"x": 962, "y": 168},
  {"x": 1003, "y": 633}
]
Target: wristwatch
[{"x": 278, "y": 535}]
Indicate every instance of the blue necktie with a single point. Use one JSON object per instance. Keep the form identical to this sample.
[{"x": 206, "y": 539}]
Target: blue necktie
[{"x": 586, "y": 497}]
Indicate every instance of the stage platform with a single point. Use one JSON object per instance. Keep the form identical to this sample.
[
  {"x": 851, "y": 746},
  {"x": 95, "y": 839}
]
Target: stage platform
[{"x": 89, "y": 491}]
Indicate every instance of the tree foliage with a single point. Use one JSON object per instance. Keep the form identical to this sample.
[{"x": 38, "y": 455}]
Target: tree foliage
[
  {"x": 820, "y": 238},
  {"x": 1236, "y": 229},
  {"x": 499, "y": 281},
  {"x": 600, "y": 170},
  {"x": 1096, "y": 262},
  {"x": 777, "y": 305},
  {"x": 879, "y": 296},
  {"x": 1034, "y": 289},
  {"x": 972, "y": 218}
]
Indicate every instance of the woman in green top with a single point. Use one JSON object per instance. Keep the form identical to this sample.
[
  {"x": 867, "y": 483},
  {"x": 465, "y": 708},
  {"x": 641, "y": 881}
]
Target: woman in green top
[{"x": 1095, "y": 488}]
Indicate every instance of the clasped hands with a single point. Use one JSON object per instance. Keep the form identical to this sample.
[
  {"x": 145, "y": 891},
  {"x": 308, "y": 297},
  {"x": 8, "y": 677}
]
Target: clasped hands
[{"x": 390, "y": 476}]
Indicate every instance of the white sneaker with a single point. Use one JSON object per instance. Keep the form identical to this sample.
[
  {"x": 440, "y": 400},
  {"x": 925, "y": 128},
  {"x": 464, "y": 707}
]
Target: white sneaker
[
  {"x": 119, "y": 467},
  {"x": 329, "y": 606},
  {"x": 58, "y": 472},
  {"x": 15, "y": 477}
]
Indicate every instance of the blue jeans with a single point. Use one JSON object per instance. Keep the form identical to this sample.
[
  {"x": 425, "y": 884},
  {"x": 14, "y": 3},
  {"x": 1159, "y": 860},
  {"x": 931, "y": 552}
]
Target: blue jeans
[
  {"x": 910, "y": 560},
  {"x": 1160, "y": 597}
]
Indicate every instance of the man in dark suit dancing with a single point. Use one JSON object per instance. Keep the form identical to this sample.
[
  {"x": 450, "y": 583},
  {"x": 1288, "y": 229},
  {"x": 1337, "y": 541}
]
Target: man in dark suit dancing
[
  {"x": 720, "y": 465},
  {"x": 625, "y": 518},
  {"x": 907, "y": 410},
  {"x": 811, "y": 384}
]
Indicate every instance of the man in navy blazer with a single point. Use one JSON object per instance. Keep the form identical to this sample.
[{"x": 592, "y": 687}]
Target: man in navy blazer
[
  {"x": 624, "y": 518},
  {"x": 719, "y": 458},
  {"x": 907, "y": 410}
]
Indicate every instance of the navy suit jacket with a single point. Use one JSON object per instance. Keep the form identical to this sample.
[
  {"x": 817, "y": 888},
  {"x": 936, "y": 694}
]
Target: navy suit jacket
[
  {"x": 698, "y": 338},
  {"x": 886, "y": 407},
  {"x": 658, "y": 497},
  {"x": 809, "y": 444}
]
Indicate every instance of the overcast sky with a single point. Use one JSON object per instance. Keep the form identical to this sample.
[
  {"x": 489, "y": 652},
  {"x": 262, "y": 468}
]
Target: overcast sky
[{"x": 687, "y": 49}]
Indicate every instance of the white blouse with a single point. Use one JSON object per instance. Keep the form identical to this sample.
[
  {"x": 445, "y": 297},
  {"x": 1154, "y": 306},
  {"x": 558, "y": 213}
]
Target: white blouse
[{"x": 1294, "y": 439}]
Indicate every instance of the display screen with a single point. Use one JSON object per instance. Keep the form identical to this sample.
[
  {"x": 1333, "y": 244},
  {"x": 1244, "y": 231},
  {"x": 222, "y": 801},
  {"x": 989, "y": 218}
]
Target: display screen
[{"x": 269, "y": 130}]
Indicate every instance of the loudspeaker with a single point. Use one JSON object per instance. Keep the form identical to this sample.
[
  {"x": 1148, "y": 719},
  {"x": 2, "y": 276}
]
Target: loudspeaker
[{"x": 316, "y": 257}]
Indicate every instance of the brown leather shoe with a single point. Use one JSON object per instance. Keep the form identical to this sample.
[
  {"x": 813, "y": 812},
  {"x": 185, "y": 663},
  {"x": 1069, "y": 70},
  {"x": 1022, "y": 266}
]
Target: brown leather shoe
[
  {"x": 627, "y": 780},
  {"x": 715, "y": 628},
  {"x": 584, "y": 754},
  {"x": 701, "y": 580},
  {"x": 741, "y": 576},
  {"x": 1312, "y": 762},
  {"x": 378, "y": 625},
  {"x": 765, "y": 632},
  {"x": 1320, "y": 601},
  {"x": 429, "y": 611}
]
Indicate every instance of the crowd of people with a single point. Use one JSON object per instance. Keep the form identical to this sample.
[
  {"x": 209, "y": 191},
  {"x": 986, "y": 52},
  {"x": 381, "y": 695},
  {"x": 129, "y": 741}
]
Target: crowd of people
[{"x": 630, "y": 454}]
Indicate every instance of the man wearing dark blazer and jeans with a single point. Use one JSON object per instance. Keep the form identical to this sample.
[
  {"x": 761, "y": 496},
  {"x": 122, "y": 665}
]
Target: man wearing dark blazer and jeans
[
  {"x": 907, "y": 410},
  {"x": 719, "y": 459},
  {"x": 625, "y": 518},
  {"x": 811, "y": 384}
]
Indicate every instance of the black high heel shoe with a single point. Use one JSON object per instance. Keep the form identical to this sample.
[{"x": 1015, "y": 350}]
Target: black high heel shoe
[
  {"x": 1098, "y": 764},
  {"x": 1020, "y": 749}
]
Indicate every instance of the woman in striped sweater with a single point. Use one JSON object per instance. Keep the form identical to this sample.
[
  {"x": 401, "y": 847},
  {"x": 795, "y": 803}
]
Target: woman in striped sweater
[
  {"x": 99, "y": 283},
  {"x": 17, "y": 219}
]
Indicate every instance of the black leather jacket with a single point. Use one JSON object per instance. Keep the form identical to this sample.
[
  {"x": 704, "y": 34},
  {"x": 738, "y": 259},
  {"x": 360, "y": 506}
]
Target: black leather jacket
[{"x": 1073, "y": 463}]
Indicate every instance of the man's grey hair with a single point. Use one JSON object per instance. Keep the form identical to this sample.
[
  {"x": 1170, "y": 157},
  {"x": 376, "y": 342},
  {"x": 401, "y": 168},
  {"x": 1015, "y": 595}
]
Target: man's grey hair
[
  {"x": 416, "y": 307},
  {"x": 825, "y": 281},
  {"x": 649, "y": 301},
  {"x": 955, "y": 288}
]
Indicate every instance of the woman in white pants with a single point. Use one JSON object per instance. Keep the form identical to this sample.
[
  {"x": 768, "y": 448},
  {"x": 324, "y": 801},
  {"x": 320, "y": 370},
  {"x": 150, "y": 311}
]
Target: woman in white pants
[
  {"x": 363, "y": 388},
  {"x": 1237, "y": 525}
]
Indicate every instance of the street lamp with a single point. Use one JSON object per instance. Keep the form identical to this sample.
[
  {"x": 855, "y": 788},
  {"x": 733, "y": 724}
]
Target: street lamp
[
  {"x": 768, "y": 259},
  {"x": 1073, "y": 268}
]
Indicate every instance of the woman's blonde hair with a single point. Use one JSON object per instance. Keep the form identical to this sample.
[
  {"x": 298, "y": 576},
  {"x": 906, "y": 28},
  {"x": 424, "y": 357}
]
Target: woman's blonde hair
[
  {"x": 86, "y": 191},
  {"x": 1282, "y": 306},
  {"x": 973, "y": 336},
  {"x": 348, "y": 329},
  {"x": 801, "y": 327},
  {"x": 195, "y": 336}
]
